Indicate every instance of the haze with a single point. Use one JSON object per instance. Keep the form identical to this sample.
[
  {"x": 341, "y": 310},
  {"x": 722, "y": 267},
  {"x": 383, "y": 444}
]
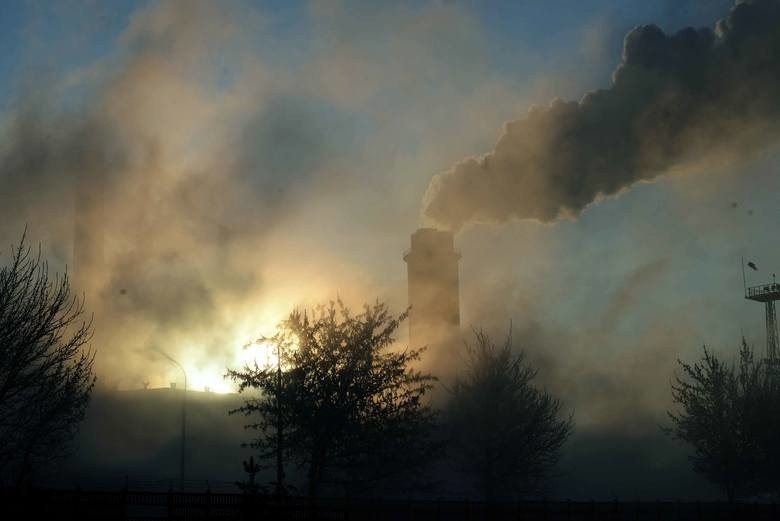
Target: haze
[{"x": 257, "y": 156}]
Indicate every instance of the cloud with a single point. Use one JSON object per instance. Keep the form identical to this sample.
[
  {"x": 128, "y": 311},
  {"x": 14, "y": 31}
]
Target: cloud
[{"x": 675, "y": 99}]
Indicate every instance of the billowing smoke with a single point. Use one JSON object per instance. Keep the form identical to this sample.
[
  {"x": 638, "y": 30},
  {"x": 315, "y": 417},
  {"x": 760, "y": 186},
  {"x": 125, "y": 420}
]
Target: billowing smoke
[
  {"x": 676, "y": 99},
  {"x": 175, "y": 159}
]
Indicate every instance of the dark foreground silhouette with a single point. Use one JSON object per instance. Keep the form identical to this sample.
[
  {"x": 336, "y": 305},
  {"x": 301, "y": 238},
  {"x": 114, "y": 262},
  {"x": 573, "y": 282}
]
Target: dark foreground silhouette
[{"x": 129, "y": 505}]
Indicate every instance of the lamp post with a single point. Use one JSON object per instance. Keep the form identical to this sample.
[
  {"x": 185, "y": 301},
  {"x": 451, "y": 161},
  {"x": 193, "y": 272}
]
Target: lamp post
[
  {"x": 280, "y": 490},
  {"x": 279, "y": 432},
  {"x": 183, "y": 421}
]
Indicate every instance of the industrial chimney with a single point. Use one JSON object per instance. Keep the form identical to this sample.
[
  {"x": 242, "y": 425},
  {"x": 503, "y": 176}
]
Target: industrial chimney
[
  {"x": 432, "y": 266},
  {"x": 88, "y": 260}
]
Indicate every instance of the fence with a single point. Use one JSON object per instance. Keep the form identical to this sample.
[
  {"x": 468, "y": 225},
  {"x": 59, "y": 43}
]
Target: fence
[{"x": 129, "y": 505}]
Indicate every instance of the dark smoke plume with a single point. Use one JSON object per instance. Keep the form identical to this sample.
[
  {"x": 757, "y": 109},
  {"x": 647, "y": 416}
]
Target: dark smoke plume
[{"x": 675, "y": 99}]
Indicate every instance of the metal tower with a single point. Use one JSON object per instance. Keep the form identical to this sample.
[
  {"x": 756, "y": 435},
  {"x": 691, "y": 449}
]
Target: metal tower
[{"x": 768, "y": 294}]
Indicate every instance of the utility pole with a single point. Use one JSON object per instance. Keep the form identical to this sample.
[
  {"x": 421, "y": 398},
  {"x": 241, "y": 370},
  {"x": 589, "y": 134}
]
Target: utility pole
[
  {"x": 183, "y": 421},
  {"x": 183, "y": 432},
  {"x": 279, "y": 427}
]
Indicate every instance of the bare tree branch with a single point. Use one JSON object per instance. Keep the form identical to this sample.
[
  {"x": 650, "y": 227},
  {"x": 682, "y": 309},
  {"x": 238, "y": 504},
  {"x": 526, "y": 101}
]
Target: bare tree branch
[{"x": 45, "y": 373}]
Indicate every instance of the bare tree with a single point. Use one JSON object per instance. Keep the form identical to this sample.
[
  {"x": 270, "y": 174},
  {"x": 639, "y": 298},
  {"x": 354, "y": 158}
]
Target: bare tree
[
  {"x": 45, "y": 373},
  {"x": 506, "y": 433},
  {"x": 342, "y": 405},
  {"x": 728, "y": 414}
]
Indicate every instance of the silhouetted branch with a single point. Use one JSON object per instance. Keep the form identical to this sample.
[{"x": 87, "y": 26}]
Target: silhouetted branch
[{"x": 45, "y": 375}]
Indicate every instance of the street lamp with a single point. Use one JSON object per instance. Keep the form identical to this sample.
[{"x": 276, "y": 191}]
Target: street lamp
[
  {"x": 277, "y": 344},
  {"x": 279, "y": 427},
  {"x": 183, "y": 419}
]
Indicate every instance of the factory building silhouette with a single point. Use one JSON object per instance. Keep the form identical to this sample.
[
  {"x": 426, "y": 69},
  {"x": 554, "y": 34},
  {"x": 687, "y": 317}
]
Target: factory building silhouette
[{"x": 434, "y": 294}]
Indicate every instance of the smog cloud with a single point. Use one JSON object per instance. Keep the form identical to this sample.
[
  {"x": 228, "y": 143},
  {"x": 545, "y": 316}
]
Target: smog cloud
[
  {"x": 676, "y": 99},
  {"x": 169, "y": 174},
  {"x": 238, "y": 182},
  {"x": 158, "y": 175}
]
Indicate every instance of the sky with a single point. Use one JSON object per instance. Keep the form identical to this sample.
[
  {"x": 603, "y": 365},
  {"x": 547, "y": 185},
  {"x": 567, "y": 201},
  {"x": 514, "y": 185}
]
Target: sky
[{"x": 257, "y": 156}]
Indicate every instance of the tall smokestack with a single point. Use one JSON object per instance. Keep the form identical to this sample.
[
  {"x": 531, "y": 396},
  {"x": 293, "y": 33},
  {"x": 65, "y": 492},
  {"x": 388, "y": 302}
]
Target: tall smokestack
[
  {"x": 432, "y": 265},
  {"x": 88, "y": 256}
]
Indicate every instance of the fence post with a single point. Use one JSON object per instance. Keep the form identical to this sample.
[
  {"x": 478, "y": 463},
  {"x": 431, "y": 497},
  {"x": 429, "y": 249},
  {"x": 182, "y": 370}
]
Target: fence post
[
  {"x": 76, "y": 500},
  {"x": 208, "y": 501},
  {"x": 169, "y": 501},
  {"x": 123, "y": 499}
]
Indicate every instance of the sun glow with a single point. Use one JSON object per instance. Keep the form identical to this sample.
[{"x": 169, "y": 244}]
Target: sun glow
[
  {"x": 210, "y": 379},
  {"x": 206, "y": 369},
  {"x": 263, "y": 354},
  {"x": 207, "y": 358}
]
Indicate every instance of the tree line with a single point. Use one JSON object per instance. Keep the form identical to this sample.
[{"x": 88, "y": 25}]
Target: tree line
[
  {"x": 348, "y": 410},
  {"x": 344, "y": 410}
]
